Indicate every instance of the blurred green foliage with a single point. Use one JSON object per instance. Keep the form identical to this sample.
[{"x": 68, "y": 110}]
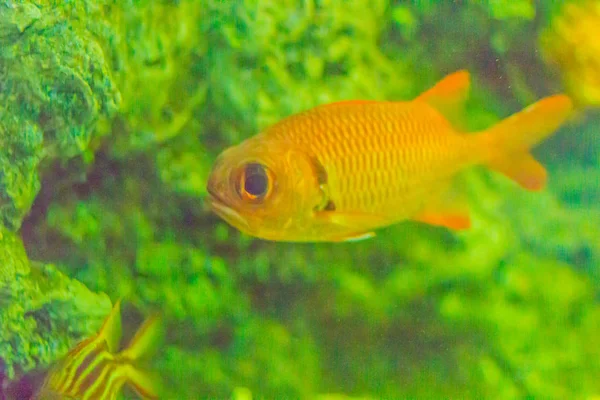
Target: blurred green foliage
[{"x": 139, "y": 97}]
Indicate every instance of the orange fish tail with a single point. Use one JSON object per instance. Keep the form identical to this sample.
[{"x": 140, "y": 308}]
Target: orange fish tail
[{"x": 507, "y": 144}]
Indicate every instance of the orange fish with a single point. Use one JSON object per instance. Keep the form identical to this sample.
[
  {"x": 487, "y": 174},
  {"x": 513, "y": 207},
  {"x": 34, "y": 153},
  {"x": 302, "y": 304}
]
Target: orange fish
[{"x": 339, "y": 171}]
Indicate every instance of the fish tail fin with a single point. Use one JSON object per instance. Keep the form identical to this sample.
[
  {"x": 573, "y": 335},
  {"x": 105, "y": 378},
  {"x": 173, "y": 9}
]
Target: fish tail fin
[
  {"x": 146, "y": 385},
  {"x": 507, "y": 144},
  {"x": 145, "y": 340}
]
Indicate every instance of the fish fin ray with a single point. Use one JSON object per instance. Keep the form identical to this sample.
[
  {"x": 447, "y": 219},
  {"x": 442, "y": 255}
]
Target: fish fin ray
[
  {"x": 111, "y": 328},
  {"x": 449, "y": 95},
  {"x": 146, "y": 385},
  {"x": 145, "y": 339},
  {"x": 507, "y": 143},
  {"x": 449, "y": 210}
]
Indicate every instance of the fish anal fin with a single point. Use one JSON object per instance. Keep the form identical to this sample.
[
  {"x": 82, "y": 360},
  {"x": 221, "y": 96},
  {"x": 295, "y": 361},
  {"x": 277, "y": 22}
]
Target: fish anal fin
[
  {"x": 455, "y": 221},
  {"x": 449, "y": 210},
  {"x": 449, "y": 95},
  {"x": 523, "y": 169}
]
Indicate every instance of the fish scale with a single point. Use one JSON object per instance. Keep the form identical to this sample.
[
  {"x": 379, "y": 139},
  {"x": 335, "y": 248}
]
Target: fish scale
[{"x": 368, "y": 141}]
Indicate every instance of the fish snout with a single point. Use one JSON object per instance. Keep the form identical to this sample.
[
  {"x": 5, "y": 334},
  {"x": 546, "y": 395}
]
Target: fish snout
[{"x": 216, "y": 187}]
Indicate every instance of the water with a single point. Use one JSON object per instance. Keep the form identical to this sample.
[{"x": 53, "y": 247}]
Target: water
[{"x": 112, "y": 113}]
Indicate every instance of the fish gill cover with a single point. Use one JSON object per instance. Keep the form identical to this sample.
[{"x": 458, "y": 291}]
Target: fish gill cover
[{"x": 111, "y": 114}]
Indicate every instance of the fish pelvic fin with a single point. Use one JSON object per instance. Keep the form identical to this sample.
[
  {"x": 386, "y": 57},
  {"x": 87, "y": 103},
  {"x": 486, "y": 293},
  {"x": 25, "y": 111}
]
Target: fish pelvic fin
[
  {"x": 506, "y": 145},
  {"x": 449, "y": 95}
]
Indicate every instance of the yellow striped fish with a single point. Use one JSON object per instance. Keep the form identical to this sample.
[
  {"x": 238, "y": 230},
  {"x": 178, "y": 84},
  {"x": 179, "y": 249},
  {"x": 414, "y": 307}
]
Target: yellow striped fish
[
  {"x": 339, "y": 171},
  {"x": 95, "y": 370}
]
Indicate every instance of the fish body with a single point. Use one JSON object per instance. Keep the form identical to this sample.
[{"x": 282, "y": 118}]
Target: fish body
[
  {"x": 338, "y": 172},
  {"x": 94, "y": 370}
]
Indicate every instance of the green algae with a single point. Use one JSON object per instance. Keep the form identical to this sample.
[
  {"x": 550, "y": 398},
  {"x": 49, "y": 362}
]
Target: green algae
[
  {"x": 507, "y": 309},
  {"x": 42, "y": 311},
  {"x": 54, "y": 88}
]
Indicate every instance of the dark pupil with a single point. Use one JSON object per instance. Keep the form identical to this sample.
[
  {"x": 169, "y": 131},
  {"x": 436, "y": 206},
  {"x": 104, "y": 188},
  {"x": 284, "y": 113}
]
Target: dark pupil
[{"x": 256, "y": 180}]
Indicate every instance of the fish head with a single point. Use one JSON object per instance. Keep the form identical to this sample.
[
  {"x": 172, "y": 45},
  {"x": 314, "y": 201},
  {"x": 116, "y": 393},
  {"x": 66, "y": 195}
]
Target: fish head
[{"x": 265, "y": 188}]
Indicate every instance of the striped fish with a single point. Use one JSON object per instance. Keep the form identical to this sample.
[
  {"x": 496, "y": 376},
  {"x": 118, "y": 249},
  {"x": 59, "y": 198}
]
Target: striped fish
[
  {"x": 94, "y": 369},
  {"x": 340, "y": 171}
]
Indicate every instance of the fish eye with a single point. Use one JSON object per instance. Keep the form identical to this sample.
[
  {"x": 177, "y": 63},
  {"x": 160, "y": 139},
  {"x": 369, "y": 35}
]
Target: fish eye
[{"x": 255, "y": 182}]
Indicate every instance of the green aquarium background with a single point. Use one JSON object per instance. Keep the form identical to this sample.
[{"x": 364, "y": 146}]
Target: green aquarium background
[{"x": 111, "y": 113}]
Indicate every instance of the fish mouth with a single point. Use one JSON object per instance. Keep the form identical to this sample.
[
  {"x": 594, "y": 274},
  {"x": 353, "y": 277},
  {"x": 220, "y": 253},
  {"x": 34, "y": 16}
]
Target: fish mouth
[{"x": 218, "y": 205}]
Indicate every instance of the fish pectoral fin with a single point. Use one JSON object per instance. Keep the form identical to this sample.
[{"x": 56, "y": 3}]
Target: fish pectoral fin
[
  {"x": 449, "y": 211},
  {"x": 355, "y": 220},
  {"x": 449, "y": 95},
  {"x": 359, "y": 224}
]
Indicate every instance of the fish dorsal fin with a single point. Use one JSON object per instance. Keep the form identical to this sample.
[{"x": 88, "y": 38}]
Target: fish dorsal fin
[
  {"x": 449, "y": 95},
  {"x": 110, "y": 331}
]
